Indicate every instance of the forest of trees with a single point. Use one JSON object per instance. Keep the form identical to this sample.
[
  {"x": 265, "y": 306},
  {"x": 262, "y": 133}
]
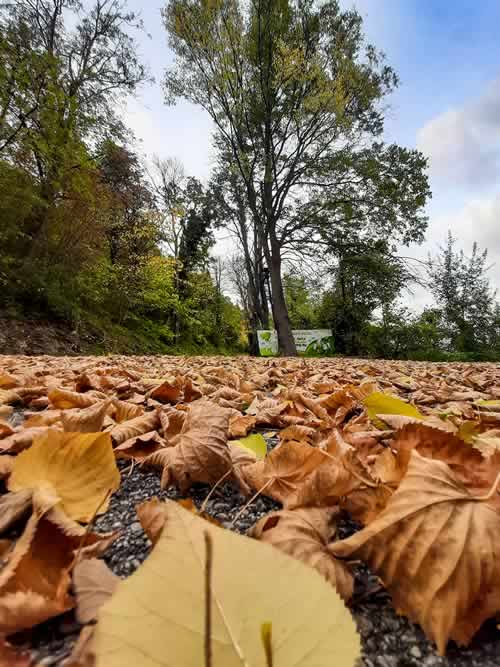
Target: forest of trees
[{"x": 318, "y": 205}]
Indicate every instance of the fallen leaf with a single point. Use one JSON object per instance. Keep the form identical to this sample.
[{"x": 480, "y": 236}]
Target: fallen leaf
[
  {"x": 134, "y": 427},
  {"x": 44, "y": 418},
  {"x": 255, "y": 443},
  {"x": 188, "y": 504},
  {"x": 65, "y": 399},
  {"x": 167, "y": 392},
  {"x": 6, "y": 465},
  {"x": 165, "y": 603},
  {"x": 78, "y": 468},
  {"x": 240, "y": 458},
  {"x": 284, "y": 472},
  {"x": 152, "y": 516},
  {"x": 8, "y": 381},
  {"x": 13, "y": 507},
  {"x": 23, "y": 439},
  {"x": 468, "y": 464},
  {"x": 6, "y": 411},
  {"x": 201, "y": 453},
  {"x": 140, "y": 447},
  {"x": 304, "y": 534},
  {"x": 9, "y": 397},
  {"x": 240, "y": 425},
  {"x": 124, "y": 411},
  {"x": 435, "y": 547},
  {"x": 88, "y": 420},
  {"x": 94, "y": 584},
  {"x": 11, "y": 656},
  {"x": 82, "y": 654},
  {"x": 5, "y": 429},
  {"x": 172, "y": 421},
  {"x": 299, "y": 433},
  {"x": 378, "y": 403}
]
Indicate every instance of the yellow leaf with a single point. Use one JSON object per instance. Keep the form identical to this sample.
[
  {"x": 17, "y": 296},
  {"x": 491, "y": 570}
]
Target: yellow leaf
[
  {"x": 255, "y": 443},
  {"x": 467, "y": 431},
  {"x": 65, "y": 399},
  {"x": 79, "y": 467},
  {"x": 377, "y": 404},
  {"x": 157, "y": 616}
]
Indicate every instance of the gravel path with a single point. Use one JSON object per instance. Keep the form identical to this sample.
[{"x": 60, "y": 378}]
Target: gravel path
[{"x": 388, "y": 639}]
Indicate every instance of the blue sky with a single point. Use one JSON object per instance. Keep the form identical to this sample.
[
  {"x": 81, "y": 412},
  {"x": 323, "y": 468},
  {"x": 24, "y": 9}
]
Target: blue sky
[{"x": 447, "y": 55}]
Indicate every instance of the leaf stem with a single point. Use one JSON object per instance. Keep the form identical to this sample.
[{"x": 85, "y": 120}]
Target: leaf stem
[
  {"x": 208, "y": 599},
  {"x": 256, "y": 495},
  {"x": 266, "y": 633},
  {"x": 217, "y": 483}
]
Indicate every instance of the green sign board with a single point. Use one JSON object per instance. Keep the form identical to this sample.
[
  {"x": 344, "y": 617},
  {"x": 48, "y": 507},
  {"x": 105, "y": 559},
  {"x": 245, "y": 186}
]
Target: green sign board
[{"x": 309, "y": 342}]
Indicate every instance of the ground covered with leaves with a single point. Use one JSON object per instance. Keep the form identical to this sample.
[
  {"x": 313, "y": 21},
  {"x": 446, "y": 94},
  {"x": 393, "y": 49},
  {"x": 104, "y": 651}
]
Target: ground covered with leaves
[{"x": 268, "y": 510}]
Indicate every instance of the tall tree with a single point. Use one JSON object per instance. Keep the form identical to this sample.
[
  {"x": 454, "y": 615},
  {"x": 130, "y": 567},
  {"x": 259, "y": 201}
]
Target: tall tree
[
  {"x": 366, "y": 277},
  {"x": 288, "y": 84},
  {"x": 79, "y": 75},
  {"x": 461, "y": 287},
  {"x": 233, "y": 213}
]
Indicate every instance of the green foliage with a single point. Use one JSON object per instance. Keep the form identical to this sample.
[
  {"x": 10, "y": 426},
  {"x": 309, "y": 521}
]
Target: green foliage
[
  {"x": 461, "y": 288},
  {"x": 301, "y": 303}
]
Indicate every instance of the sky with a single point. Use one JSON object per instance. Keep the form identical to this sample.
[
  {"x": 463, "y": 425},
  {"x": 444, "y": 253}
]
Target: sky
[{"x": 447, "y": 55}]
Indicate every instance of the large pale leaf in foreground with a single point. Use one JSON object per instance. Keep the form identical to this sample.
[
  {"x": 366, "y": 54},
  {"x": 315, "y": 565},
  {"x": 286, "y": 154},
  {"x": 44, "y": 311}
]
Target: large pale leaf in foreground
[
  {"x": 436, "y": 548},
  {"x": 157, "y": 616},
  {"x": 78, "y": 468}
]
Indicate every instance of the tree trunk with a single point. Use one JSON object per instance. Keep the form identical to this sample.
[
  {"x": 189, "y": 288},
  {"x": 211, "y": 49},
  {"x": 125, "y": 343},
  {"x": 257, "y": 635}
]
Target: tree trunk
[{"x": 286, "y": 343}]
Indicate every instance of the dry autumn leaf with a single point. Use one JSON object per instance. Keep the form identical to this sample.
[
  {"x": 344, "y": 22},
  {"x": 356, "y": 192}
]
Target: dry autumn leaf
[
  {"x": 240, "y": 458},
  {"x": 6, "y": 465},
  {"x": 468, "y": 464},
  {"x": 124, "y": 411},
  {"x": 13, "y": 507},
  {"x": 66, "y": 399},
  {"x": 201, "y": 453},
  {"x": 140, "y": 447},
  {"x": 165, "y": 603},
  {"x": 23, "y": 439},
  {"x": 82, "y": 654},
  {"x": 152, "y": 516},
  {"x": 240, "y": 425},
  {"x": 94, "y": 584},
  {"x": 5, "y": 429},
  {"x": 296, "y": 474},
  {"x": 86, "y": 420},
  {"x": 304, "y": 534},
  {"x": 11, "y": 656},
  {"x": 435, "y": 547},
  {"x": 34, "y": 583},
  {"x": 134, "y": 427},
  {"x": 77, "y": 468}
]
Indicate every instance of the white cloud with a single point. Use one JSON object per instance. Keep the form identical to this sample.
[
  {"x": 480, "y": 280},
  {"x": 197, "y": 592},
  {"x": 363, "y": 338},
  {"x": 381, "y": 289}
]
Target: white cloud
[
  {"x": 463, "y": 144},
  {"x": 478, "y": 220},
  {"x": 182, "y": 131}
]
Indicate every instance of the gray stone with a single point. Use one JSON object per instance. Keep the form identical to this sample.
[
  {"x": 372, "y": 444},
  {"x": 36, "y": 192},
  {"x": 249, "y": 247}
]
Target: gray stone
[
  {"x": 136, "y": 527},
  {"x": 365, "y": 626},
  {"x": 415, "y": 652}
]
